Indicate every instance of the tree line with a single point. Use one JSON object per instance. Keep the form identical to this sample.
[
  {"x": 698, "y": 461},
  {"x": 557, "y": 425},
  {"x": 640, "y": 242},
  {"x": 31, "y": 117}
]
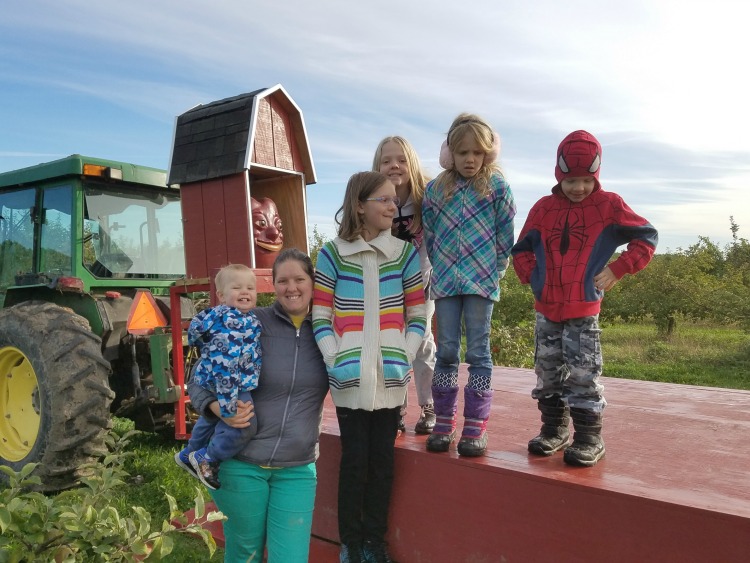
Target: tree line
[{"x": 704, "y": 282}]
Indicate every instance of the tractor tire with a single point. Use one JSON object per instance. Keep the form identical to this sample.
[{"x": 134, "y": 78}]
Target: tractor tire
[{"x": 54, "y": 393}]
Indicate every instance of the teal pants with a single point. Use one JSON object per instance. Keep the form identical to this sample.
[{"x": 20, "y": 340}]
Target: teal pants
[{"x": 270, "y": 508}]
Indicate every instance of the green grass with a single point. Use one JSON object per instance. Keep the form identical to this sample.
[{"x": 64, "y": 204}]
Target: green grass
[
  {"x": 153, "y": 473},
  {"x": 711, "y": 356}
]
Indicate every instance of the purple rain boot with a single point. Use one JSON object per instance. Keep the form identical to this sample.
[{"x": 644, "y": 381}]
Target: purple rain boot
[
  {"x": 444, "y": 432},
  {"x": 477, "y": 406}
]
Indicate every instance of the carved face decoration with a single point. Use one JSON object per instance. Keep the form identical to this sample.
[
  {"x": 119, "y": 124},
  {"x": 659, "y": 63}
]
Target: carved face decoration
[{"x": 266, "y": 231}]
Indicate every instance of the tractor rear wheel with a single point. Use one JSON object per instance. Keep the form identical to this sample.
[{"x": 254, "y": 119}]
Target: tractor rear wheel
[{"x": 54, "y": 392}]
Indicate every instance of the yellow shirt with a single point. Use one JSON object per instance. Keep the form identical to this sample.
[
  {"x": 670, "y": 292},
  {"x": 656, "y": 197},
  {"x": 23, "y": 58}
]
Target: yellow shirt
[{"x": 297, "y": 320}]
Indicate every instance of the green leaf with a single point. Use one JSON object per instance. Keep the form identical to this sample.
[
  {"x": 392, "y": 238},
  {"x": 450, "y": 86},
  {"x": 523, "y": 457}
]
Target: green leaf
[
  {"x": 8, "y": 471},
  {"x": 26, "y": 470},
  {"x": 200, "y": 504},
  {"x": 210, "y": 542},
  {"x": 64, "y": 554},
  {"x": 144, "y": 520},
  {"x": 166, "y": 546},
  {"x": 84, "y": 523},
  {"x": 89, "y": 515},
  {"x": 139, "y": 547},
  {"x": 174, "y": 511},
  {"x": 156, "y": 551},
  {"x": 215, "y": 515},
  {"x": 5, "y": 519}
]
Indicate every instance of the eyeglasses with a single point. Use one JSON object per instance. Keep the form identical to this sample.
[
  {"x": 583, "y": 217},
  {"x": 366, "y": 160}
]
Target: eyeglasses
[{"x": 385, "y": 199}]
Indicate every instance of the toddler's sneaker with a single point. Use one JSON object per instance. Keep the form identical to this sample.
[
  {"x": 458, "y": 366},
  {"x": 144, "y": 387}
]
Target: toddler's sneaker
[
  {"x": 182, "y": 458},
  {"x": 206, "y": 469}
]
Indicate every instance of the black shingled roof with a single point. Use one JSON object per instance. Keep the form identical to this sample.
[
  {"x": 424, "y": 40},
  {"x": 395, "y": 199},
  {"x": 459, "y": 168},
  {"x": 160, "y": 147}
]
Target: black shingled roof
[{"x": 211, "y": 140}]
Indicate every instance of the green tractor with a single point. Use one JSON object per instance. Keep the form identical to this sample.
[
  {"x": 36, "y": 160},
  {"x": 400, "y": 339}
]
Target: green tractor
[{"x": 88, "y": 251}]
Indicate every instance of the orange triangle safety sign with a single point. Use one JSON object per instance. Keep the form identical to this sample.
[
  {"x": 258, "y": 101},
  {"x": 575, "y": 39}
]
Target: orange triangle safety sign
[{"x": 145, "y": 314}]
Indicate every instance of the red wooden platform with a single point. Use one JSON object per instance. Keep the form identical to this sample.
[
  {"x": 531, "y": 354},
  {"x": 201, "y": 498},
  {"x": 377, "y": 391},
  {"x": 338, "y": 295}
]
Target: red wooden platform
[{"x": 674, "y": 485}]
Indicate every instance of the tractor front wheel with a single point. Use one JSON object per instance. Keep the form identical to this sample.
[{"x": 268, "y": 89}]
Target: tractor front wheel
[{"x": 54, "y": 392}]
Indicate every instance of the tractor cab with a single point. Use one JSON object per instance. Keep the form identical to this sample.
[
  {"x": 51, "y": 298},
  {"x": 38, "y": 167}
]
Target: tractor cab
[{"x": 106, "y": 224}]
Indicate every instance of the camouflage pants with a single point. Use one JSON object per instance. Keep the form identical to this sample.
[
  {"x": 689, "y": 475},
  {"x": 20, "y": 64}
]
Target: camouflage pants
[{"x": 568, "y": 361}]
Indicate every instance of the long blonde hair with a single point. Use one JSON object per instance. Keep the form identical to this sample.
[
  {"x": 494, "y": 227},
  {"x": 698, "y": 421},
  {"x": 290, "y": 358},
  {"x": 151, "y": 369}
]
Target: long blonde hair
[
  {"x": 417, "y": 177},
  {"x": 360, "y": 186},
  {"x": 469, "y": 125}
]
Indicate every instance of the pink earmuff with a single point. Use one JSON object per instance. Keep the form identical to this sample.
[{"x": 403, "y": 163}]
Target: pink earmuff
[{"x": 446, "y": 155}]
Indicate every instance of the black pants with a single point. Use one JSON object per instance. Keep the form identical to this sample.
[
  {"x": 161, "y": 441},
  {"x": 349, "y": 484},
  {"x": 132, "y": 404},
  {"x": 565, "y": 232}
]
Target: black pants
[{"x": 366, "y": 472}]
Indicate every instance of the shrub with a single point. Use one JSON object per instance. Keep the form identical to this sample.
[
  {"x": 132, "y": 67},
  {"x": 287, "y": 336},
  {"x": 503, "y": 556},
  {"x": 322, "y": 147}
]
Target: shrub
[
  {"x": 82, "y": 525},
  {"x": 512, "y": 346}
]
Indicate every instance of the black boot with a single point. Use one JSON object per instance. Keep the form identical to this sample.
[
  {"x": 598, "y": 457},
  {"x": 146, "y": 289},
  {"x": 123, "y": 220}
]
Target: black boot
[
  {"x": 554, "y": 434},
  {"x": 587, "y": 447}
]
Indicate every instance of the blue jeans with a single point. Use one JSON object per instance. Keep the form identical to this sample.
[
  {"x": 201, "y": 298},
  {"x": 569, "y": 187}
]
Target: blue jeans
[
  {"x": 476, "y": 312},
  {"x": 266, "y": 508},
  {"x": 221, "y": 440}
]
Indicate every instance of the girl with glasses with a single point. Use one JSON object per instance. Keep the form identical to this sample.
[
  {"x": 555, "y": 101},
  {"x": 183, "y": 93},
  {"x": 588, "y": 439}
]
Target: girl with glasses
[{"x": 369, "y": 321}]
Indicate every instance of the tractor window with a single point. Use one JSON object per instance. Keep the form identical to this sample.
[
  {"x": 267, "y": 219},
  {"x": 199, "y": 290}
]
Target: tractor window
[
  {"x": 56, "y": 231},
  {"x": 131, "y": 232},
  {"x": 16, "y": 236}
]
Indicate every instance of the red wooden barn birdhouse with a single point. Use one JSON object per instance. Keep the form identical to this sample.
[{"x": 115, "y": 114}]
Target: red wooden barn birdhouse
[{"x": 242, "y": 164}]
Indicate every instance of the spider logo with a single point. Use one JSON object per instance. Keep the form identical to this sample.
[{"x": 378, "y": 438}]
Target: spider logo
[{"x": 574, "y": 228}]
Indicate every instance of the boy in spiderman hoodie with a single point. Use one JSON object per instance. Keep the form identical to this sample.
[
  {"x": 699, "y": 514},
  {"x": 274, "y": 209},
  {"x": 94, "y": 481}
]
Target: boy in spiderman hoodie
[{"x": 562, "y": 251}]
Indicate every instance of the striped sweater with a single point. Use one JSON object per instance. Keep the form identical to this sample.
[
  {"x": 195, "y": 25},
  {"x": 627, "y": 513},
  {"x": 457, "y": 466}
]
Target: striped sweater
[{"x": 368, "y": 319}]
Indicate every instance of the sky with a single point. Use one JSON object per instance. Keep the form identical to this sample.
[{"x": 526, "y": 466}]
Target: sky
[{"x": 662, "y": 84}]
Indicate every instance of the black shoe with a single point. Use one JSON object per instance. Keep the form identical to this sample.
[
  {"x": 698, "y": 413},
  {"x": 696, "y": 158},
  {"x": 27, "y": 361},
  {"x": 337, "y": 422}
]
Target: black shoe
[
  {"x": 472, "y": 447},
  {"x": 351, "y": 553},
  {"x": 375, "y": 552},
  {"x": 207, "y": 470},
  {"x": 440, "y": 442},
  {"x": 426, "y": 421},
  {"x": 401, "y": 425},
  {"x": 585, "y": 451},
  {"x": 547, "y": 444}
]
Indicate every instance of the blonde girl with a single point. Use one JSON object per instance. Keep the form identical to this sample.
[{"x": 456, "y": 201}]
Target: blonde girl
[
  {"x": 467, "y": 215},
  {"x": 397, "y": 159}
]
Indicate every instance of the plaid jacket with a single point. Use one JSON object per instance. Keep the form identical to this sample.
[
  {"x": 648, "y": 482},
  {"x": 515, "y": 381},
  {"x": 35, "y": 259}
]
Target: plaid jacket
[{"x": 468, "y": 238}]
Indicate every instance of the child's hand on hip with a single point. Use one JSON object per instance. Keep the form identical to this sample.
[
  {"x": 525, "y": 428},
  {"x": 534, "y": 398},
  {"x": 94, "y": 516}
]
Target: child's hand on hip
[{"x": 605, "y": 280}]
